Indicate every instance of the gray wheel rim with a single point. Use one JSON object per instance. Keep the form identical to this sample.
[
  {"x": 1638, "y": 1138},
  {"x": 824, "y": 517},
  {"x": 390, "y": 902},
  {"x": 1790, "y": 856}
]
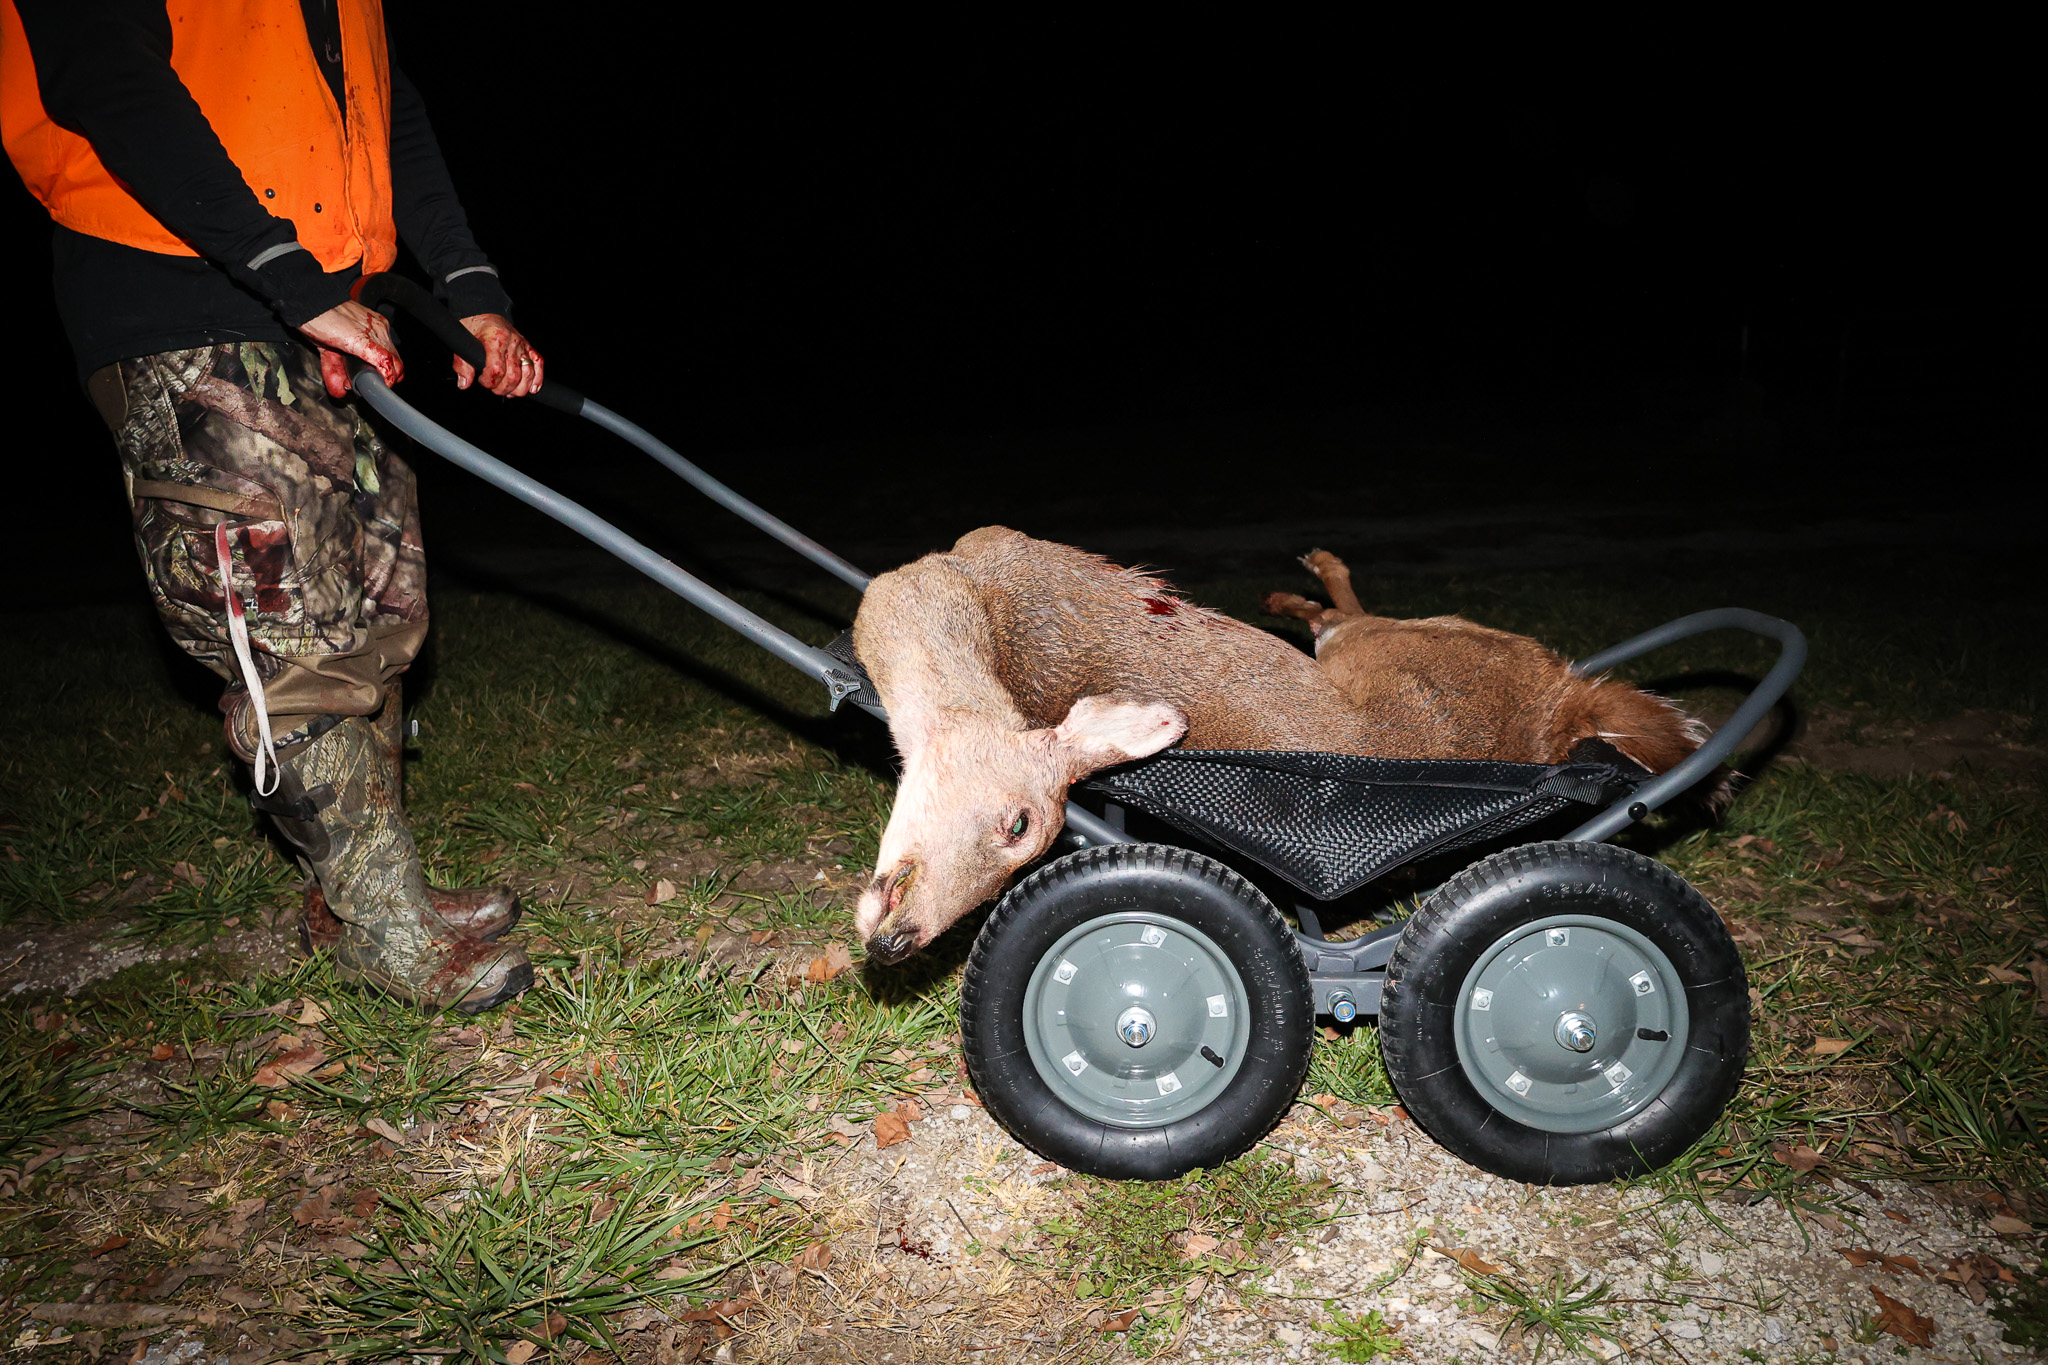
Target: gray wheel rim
[
  {"x": 1559, "y": 1023},
  {"x": 1189, "y": 993}
]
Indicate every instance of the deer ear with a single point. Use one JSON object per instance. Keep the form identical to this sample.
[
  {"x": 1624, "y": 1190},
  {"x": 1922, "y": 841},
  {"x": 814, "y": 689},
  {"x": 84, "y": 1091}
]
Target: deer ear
[{"x": 1101, "y": 731}]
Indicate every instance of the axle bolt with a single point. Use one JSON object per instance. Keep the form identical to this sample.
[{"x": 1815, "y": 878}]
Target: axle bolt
[
  {"x": 1576, "y": 1031},
  {"x": 1342, "y": 1007},
  {"x": 1136, "y": 1026}
]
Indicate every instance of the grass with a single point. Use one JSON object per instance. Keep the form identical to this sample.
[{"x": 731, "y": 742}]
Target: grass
[
  {"x": 1560, "y": 1311},
  {"x": 41, "y": 1085},
  {"x": 1359, "y": 1337},
  {"x": 1349, "y": 1067},
  {"x": 522, "y": 1263},
  {"x": 580, "y": 1155},
  {"x": 1883, "y": 910},
  {"x": 1126, "y": 1242}
]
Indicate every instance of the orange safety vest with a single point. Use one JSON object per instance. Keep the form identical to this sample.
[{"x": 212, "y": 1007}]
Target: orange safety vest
[{"x": 253, "y": 73}]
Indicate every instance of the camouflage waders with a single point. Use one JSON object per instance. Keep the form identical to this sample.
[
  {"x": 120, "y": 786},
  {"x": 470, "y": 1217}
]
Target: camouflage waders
[{"x": 280, "y": 539}]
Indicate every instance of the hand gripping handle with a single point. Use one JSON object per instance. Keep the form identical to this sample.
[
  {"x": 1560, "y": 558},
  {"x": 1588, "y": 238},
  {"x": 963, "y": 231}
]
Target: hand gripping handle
[{"x": 385, "y": 291}]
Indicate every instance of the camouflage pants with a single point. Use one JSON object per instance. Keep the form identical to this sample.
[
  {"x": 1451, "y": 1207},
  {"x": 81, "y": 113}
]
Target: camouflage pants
[{"x": 320, "y": 521}]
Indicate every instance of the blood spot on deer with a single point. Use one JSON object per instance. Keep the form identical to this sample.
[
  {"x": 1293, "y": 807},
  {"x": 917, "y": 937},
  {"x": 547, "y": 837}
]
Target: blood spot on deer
[{"x": 1159, "y": 606}]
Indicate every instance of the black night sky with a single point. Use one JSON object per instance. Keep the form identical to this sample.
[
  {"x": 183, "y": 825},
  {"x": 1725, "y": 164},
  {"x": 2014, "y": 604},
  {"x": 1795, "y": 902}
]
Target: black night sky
[{"x": 832, "y": 279}]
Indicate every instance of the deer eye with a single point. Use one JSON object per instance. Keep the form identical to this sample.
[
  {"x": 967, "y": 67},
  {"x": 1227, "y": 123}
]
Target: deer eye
[{"x": 1020, "y": 824}]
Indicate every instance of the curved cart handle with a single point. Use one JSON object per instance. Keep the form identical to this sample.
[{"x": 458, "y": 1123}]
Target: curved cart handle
[
  {"x": 385, "y": 291},
  {"x": 1657, "y": 791}
]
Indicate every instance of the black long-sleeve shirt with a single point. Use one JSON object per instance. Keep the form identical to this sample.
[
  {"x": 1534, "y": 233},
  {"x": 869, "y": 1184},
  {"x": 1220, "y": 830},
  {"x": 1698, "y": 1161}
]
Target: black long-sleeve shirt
[{"x": 104, "y": 70}]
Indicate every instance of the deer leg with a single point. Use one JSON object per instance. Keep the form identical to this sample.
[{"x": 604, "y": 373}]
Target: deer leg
[
  {"x": 1336, "y": 577},
  {"x": 1293, "y": 604}
]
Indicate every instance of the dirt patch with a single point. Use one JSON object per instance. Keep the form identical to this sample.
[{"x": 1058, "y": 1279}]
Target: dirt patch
[
  {"x": 63, "y": 959},
  {"x": 1986, "y": 742}
]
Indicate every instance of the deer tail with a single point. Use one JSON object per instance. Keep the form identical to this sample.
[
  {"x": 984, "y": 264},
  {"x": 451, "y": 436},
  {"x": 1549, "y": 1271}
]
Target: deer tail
[{"x": 1647, "y": 729}]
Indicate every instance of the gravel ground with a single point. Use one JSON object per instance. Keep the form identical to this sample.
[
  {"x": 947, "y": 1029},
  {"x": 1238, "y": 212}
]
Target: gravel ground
[{"x": 1750, "y": 1283}]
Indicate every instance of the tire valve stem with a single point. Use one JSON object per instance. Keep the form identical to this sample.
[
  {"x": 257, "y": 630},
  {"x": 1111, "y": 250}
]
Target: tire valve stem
[{"x": 1210, "y": 1053}]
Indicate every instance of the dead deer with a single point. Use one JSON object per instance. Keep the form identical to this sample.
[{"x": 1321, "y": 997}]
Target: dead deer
[{"x": 1012, "y": 668}]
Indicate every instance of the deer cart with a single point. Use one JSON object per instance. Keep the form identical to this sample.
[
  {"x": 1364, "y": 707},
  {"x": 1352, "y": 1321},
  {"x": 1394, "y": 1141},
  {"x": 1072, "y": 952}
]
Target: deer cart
[{"x": 1555, "y": 1012}]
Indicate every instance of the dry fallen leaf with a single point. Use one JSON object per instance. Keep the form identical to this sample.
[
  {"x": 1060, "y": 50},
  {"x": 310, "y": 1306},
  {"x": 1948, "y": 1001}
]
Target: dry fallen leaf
[
  {"x": 1800, "y": 1158},
  {"x": 1746, "y": 887},
  {"x": 890, "y": 1129},
  {"x": 1199, "y": 1244},
  {"x": 835, "y": 959},
  {"x": 111, "y": 1244},
  {"x": 313, "y": 1207},
  {"x": 162, "y": 1052},
  {"x": 1828, "y": 1047},
  {"x": 1901, "y": 1321},
  {"x": 662, "y": 892},
  {"x": 908, "y": 1111},
  {"x": 519, "y": 1352},
  {"x": 1469, "y": 1259},
  {"x": 1121, "y": 1322},
  {"x": 298, "y": 1061},
  {"x": 2010, "y": 1227},
  {"x": 1971, "y": 1273},
  {"x": 2038, "y": 969},
  {"x": 384, "y": 1130},
  {"x": 1897, "y": 1265},
  {"x": 816, "y": 1256},
  {"x": 312, "y": 1013},
  {"x": 721, "y": 1216}
]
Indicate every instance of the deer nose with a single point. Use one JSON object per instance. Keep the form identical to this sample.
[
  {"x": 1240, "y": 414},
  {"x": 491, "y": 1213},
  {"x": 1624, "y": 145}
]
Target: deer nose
[{"x": 891, "y": 946}]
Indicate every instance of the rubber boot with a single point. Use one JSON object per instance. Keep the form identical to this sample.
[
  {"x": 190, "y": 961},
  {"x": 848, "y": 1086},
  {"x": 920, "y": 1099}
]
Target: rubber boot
[
  {"x": 479, "y": 912},
  {"x": 336, "y": 803}
]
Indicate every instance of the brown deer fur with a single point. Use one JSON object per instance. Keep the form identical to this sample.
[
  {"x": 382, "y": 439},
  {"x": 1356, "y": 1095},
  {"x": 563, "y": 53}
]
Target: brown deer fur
[{"x": 1476, "y": 692}]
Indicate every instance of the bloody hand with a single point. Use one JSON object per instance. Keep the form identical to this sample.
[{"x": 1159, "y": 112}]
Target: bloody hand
[
  {"x": 512, "y": 368},
  {"x": 351, "y": 329}
]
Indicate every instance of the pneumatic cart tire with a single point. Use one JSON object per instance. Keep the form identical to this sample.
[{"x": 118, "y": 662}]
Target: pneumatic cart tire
[
  {"x": 1136, "y": 1011},
  {"x": 1565, "y": 1013}
]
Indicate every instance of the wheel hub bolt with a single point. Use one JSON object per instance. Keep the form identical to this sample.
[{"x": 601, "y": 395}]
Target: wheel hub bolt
[
  {"x": 1576, "y": 1031},
  {"x": 1136, "y": 1026}
]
